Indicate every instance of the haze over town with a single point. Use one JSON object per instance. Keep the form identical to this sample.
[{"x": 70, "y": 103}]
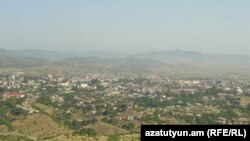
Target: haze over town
[{"x": 126, "y": 26}]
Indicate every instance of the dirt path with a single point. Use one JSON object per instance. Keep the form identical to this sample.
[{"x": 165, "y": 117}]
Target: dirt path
[{"x": 17, "y": 134}]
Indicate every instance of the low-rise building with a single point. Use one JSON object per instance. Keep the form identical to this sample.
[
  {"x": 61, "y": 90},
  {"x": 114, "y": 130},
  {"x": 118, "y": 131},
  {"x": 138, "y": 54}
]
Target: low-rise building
[{"x": 12, "y": 94}]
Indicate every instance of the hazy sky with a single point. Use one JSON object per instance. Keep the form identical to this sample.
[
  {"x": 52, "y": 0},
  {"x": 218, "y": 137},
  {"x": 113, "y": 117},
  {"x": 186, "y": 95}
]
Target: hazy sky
[{"x": 217, "y": 26}]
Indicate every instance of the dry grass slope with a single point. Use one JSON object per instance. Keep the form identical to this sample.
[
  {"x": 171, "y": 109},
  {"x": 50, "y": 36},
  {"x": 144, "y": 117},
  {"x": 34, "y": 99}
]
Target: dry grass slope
[
  {"x": 38, "y": 126},
  {"x": 107, "y": 129}
]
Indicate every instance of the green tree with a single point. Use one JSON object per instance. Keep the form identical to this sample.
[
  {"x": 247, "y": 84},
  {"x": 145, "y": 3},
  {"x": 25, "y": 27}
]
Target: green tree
[{"x": 114, "y": 138}]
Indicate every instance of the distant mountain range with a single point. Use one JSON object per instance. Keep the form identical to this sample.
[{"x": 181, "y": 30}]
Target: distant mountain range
[
  {"x": 60, "y": 55},
  {"x": 178, "y": 56},
  {"x": 164, "y": 61},
  {"x": 8, "y": 59}
]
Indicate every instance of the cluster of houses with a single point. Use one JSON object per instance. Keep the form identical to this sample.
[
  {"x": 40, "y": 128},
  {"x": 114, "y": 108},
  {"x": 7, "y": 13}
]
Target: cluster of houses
[{"x": 111, "y": 85}]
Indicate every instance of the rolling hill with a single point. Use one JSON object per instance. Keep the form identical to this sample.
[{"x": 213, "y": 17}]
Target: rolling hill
[{"x": 165, "y": 61}]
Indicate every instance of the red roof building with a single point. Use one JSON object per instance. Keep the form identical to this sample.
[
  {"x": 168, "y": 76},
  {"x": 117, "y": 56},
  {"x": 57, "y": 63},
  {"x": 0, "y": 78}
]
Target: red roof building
[{"x": 13, "y": 94}]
